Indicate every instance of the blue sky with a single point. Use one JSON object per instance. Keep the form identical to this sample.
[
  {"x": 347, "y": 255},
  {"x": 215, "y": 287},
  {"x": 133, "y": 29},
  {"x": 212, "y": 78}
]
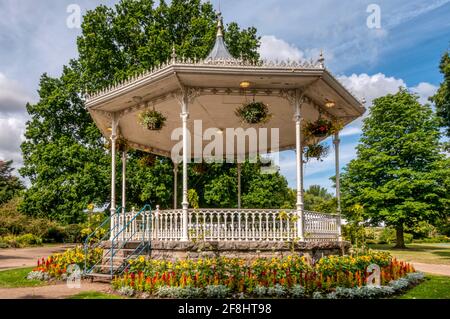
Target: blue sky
[{"x": 34, "y": 39}]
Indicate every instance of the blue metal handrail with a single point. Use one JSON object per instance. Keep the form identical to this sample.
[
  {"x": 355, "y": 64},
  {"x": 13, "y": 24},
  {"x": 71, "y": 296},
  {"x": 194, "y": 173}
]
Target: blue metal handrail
[
  {"x": 146, "y": 206},
  {"x": 86, "y": 242}
]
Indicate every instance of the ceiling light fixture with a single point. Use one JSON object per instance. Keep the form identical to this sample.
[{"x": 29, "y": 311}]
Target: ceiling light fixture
[
  {"x": 329, "y": 104},
  {"x": 244, "y": 84}
]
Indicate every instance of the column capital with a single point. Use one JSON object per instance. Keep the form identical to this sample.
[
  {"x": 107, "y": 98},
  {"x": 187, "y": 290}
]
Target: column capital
[
  {"x": 184, "y": 116},
  {"x": 297, "y": 118}
]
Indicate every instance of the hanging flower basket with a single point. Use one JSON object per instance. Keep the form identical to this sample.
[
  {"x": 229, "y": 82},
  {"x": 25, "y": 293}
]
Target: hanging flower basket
[
  {"x": 253, "y": 113},
  {"x": 147, "y": 160},
  {"x": 152, "y": 120},
  {"x": 316, "y": 151},
  {"x": 321, "y": 128},
  {"x": 121, "y": 144},
  {"x": 200, "y": 168}
]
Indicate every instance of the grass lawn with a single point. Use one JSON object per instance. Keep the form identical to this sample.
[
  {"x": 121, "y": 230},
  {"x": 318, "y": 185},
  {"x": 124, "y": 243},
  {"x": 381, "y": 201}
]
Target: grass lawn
[
  {"x": 94, "y": 295},
  {"x": 434, "y": 287},
  {"x": 18, "y": 278},
  {"x": 421, "y": 253}
]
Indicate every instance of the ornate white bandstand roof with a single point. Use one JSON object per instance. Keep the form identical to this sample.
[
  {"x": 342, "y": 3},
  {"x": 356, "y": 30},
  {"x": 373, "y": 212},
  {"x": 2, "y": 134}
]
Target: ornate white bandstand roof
[{"x": 214, "y": 90}]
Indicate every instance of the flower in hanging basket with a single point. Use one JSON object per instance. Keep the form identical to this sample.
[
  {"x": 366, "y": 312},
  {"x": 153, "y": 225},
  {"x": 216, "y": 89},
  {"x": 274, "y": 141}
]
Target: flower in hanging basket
[
  {"x": 152, "y": 120},
  {"x": 253, "y": 113},
  {"x": 317, "y": 151},
  {"x": 121, "y": 144},
  {"x": 321, "y": 128},
  {"x": 147, "y": 160}
]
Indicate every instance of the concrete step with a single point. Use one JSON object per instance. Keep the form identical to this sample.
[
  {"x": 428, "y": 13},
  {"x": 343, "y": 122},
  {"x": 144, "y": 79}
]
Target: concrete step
[{"x": 100, "y": 276}]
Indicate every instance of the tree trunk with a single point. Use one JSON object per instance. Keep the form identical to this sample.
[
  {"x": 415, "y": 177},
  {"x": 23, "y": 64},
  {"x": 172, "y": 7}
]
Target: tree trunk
[{"x": 400, "y": 243}]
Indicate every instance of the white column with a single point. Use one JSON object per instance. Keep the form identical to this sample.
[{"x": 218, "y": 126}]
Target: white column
[
  {"x": 113, "y": 138},
  {"x": 124, "y": 181},
  {"x": 175, "y": 184},
  {"x": 185, "y": 203},
  {"x": 299, "y": 164},
  {"x": 239, "y": 185},
  {"x": 336, "y": 142}
]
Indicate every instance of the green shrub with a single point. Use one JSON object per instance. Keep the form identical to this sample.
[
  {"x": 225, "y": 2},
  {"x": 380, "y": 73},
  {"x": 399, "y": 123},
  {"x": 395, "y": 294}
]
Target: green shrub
[
  {"x": 20, "y": 241},
  {"x": 29, "y": 240},
  {"x": 436, "y": 239},
  {"x": 387, "y": 236},
  {"x": 72, "y": 233}
]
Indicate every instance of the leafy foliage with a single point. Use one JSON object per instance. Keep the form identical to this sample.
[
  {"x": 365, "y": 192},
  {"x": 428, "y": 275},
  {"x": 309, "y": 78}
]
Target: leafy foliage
[
  {"x": 253, "y": 113},
  {"x": 10, "y": 185},
  {"x": 399, "y": 177},
  {"x": 317, "y": 151},
  {"x": 442, "y": 96},
  {"x": 317, "y": 198},
  {"x": 152, "y": 120}
]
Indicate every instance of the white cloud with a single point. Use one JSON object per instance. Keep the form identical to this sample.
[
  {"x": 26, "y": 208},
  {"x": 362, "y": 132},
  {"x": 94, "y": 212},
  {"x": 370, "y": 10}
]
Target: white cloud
[
  {"x": 273, "y": 48},
  {"x": 13, "y": 116},
  {"x": 12, "y": 97},
  {"x": 424, "y": 90},
  {"x": 371, "y": 86}
]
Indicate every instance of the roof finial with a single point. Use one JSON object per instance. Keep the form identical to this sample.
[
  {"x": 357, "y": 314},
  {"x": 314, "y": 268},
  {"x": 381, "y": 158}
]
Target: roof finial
[
  {"x": 321, "y": 59},
  {"x": 174, "y": 54},
  {"x": 219, "y": 25}
]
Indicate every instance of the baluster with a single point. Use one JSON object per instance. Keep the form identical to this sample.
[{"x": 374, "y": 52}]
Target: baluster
[
  {"x": 225, "y": 224},
  {"x": 253, "y": 226},
  {"x": 266, "y": 216},
  {"x": 239, "y": 225},
  {"x": 274, "y": 222},
  {"x": 171, "y": 227},
  {"x": 246, "y": 226},
  {"x": 260, "y": 225},
  {"x": 218, "y": 225}
]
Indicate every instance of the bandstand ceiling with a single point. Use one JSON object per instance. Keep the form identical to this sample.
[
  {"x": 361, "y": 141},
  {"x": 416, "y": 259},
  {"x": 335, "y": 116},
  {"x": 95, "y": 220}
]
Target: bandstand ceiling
[{"x": 216, "y": 88}]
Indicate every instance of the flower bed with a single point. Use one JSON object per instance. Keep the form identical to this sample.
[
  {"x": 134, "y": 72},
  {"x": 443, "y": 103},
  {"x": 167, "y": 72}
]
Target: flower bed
[
  {"x": 291, "y": 276},
  {"x": 55, "y": 266}
]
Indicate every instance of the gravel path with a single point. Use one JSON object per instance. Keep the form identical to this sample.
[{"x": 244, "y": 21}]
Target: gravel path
[
  {"x": 27, "y": 257},
  {"x": 55, "y": 291},
  {"x": 433, "y": 268}
]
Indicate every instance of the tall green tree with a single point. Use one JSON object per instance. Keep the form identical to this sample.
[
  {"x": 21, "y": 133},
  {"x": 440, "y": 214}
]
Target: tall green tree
[
  {"x": 316, "y": 198},
  {"x": 10, "y": 185},
  {"x": 64, "y": 153},
  {"x": 442, "y": 97},
  {"x": 399, "y": 177}
]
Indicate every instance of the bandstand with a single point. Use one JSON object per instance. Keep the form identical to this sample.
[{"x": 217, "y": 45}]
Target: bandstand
[{"x": 210, "y": 90}]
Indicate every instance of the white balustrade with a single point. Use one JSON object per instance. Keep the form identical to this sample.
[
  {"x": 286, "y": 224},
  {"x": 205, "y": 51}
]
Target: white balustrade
[{"x": 227, "y": 225}]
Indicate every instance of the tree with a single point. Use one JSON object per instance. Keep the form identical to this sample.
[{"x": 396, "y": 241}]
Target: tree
[
  {"x": 64, "y": 154},
  {"x": 317, "y": 198},
  {"x": 399, "y": 177},
  {"x": 10, "y": 185},
  {"x": 442, "y": 97}
]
